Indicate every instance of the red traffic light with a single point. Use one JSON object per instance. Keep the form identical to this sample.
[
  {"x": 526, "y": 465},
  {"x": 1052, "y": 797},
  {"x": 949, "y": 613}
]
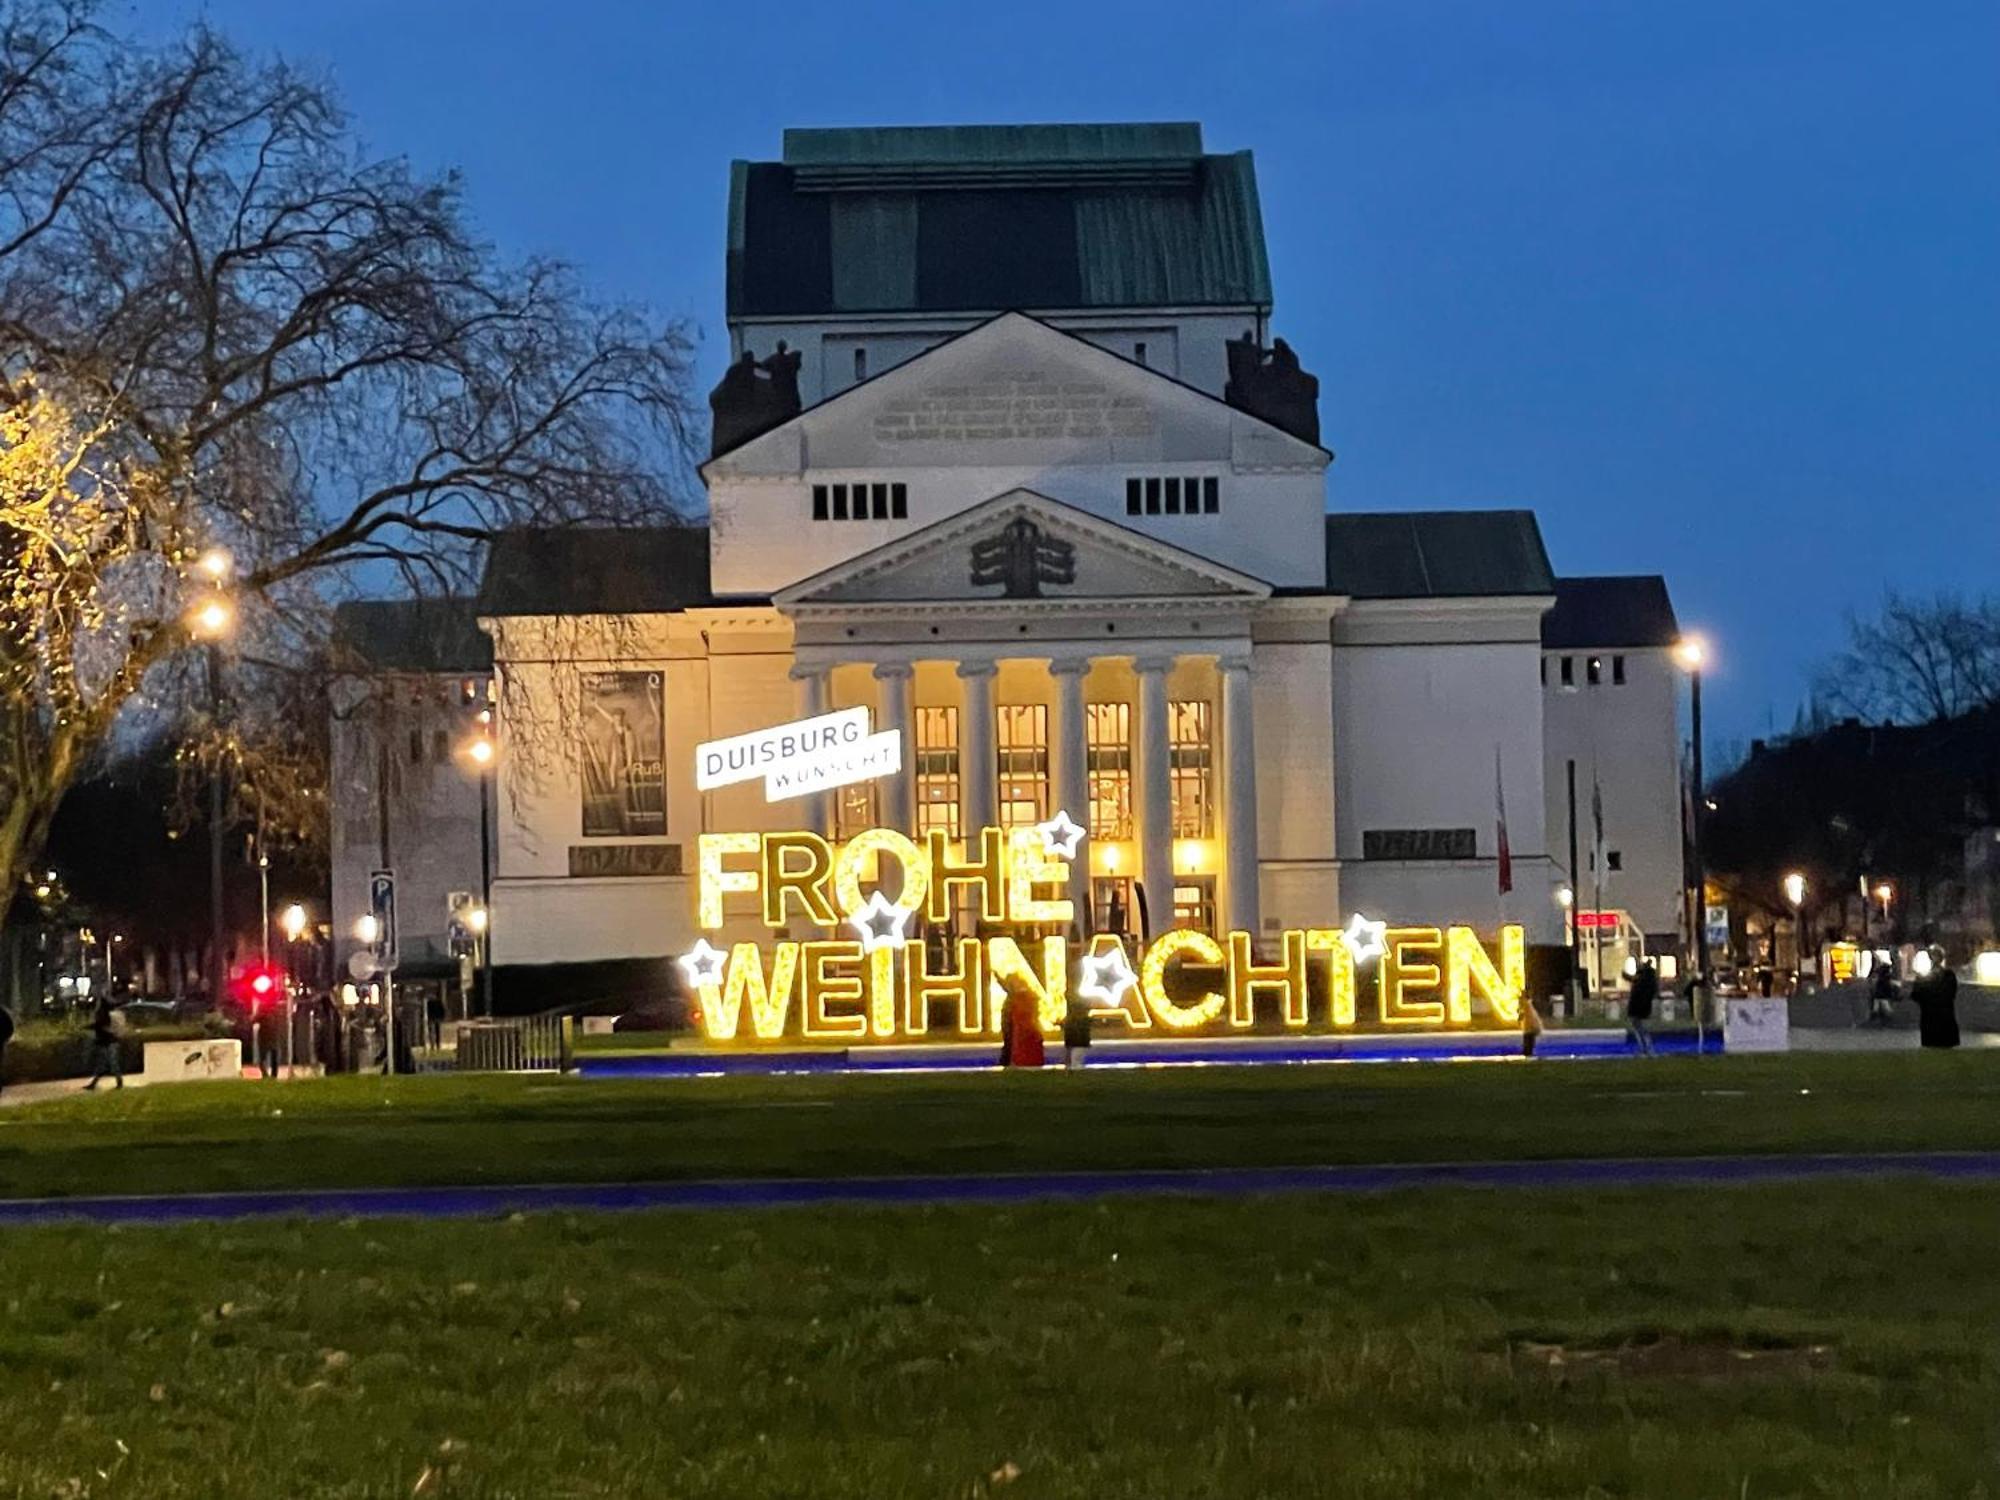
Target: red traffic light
[{"x": 257, "y": 985}]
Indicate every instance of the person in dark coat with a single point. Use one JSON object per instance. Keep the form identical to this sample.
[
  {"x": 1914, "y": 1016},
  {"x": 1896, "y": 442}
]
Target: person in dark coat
[
  {"x": 105, "y": 1025},
  {"x": 6, "y": 1036},
  {"x": 1882, "y": 995},
  {"x": 1639, "y": 1008},
  {"x": 1936, "y": 996},
  {"x": 1076, "y": 1033}
]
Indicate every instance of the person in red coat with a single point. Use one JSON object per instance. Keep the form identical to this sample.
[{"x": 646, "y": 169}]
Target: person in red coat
[{"x": 1023, "y": 1030}]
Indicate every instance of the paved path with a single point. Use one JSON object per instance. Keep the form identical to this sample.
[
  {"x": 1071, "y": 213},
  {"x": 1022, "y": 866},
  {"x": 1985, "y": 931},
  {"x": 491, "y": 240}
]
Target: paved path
[{"x": 461, "y": 1202}]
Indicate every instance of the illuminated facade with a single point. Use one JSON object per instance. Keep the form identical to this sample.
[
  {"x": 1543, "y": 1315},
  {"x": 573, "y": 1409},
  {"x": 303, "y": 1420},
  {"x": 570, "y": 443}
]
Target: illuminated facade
[{"x": 1038, "y": 513}]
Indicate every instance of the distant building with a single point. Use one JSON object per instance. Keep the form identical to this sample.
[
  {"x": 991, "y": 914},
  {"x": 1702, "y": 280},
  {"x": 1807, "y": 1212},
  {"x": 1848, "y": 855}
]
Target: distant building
[
  {"x": 415, "y": 675},
  {"x": 1611, "y": 693}
]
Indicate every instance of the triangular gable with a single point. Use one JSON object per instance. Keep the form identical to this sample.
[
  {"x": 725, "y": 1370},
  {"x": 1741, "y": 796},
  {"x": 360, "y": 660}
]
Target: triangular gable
[
  {"x": 1068, "y": 554},
  {"x": 1015, "y": 384}
]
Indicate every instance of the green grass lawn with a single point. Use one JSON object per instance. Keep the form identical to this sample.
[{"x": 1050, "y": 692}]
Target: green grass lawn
[
  {"x": 451, "y": 1129},
  {"x": 1821, "y": 1339}
]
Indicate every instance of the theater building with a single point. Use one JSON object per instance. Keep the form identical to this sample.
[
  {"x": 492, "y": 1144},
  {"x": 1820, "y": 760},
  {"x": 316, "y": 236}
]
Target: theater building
[{"x": 1008, "y": 457}]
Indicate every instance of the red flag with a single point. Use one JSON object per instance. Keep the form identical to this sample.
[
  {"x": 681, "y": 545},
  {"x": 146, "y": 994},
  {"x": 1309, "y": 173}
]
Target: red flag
[{"x": 1506, "y": 860}]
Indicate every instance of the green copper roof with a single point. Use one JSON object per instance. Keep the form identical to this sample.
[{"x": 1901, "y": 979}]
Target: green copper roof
[
  {"x": 987, "y": 218},
  {"x": 1439, "y": 554}
]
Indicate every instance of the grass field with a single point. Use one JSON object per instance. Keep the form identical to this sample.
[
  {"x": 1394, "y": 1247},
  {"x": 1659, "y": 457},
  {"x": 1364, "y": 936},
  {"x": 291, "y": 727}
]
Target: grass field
[
  {"x": 372, "y": 1132},
  {"x": 1830, "y": 1339}
]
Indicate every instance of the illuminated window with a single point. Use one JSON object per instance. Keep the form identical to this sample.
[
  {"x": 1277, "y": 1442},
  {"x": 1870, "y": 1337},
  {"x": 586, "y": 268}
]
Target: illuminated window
[
  {"x": 1194, "y": 902},
  {"x": 1111, "y": 906},
  {"x": 1192, "y": 752},
  {"x": 1022, "y": 730},
  {"x": 937, "y": 770},
  {"x": 1108, "y": 751}
]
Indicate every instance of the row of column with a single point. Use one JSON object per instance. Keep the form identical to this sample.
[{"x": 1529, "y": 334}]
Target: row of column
[{"x": 1069, "y": 771}]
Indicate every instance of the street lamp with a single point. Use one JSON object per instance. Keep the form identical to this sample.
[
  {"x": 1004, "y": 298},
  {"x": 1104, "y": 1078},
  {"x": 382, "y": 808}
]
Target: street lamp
[
  {"x": 1795, "y": 894},
  {"x": 367, "y": 929},
  {"x": 1691, "y": 651},
  {"x": 216, "y": 564},
  {"x": 209, "y": 621},
  {"x": 481, "y": 752},
  {"x": 1885, "y": 893},
  {"x": 211, "y": 618},
  {"x": 293, "y": 921}
]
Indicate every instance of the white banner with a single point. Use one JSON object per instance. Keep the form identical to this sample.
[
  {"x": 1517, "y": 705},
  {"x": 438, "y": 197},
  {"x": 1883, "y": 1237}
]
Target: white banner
[{"x": 805, "y": 756}]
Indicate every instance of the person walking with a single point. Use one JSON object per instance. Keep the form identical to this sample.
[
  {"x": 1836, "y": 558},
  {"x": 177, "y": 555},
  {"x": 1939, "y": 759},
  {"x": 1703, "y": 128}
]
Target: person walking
[
  {"x": 1882, "y": 995},
  {"x": 1023, "y": 1030},
  {"x": 1076, "y": 1033},
  {"x": 6, "y": 1036},
  {"x": 434, "y": 1013},
  {"x": 1936, "y": 995},
  {"x": 107, "y": 1025},
  {"x": 264, "y": 1029},
  {"x": 1531, "y": 1025},
  {"x": 1639, "y": 1007}
]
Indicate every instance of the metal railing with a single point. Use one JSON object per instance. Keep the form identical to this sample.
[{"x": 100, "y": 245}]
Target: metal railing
[{"x": 529, "y": 1044}]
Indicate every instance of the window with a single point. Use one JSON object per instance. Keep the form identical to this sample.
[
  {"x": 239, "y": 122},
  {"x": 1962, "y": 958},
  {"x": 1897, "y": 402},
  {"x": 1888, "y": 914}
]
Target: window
[
  {"x": 623, "y": 755},
  {"x": 1139, "y": 351},
  {"x": 1613, "y": 860},
  {"x": 1111, "y": 906},
  {"x": 860, "y": 363},
  {"x": 1545, "y": 671},
  {"x": 1593, "y": 670},
  {"x": 1194, "y": 902},
  {"x": 937, "y": 771},
  {"x": 1108, "y": 753},
  {"x": 1022, "y": 730},
  {"x": 1173, "y": 495},
  {"x": 1190, "y": 751},
  {"x": 1618, "y": 671},
  {"x": 440, "y": 746},
  {"x": 1569, "y": 671},
  {"x": 874, "y": 501},
  {"x": 854, "y": 809},
  {"x": 416, "y": 747}
]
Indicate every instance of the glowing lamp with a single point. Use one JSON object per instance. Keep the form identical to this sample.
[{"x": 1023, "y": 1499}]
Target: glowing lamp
[
  {"x": 1795, "y": 888},
  {"x": 215, "y": 563},
  {"x": 1691, "y": 651},
  {"x": 1986, "y": 967},
  {"x": 293, "y": 921},
  {"x": 480, "y": 751},
  {"x": 367, "y": 928},
  {"x": 211, "y": 618}
]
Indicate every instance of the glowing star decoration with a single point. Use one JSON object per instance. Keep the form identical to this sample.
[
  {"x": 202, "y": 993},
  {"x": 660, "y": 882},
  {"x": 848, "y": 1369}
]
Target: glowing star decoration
[
  {"x": 702, "y": 964},
  {"x": 880, "y": 923},
  {"x": 1366, "y": 939},
  {"x": 1059, "y": 835},
  {"x": 1106, "y": 977}
]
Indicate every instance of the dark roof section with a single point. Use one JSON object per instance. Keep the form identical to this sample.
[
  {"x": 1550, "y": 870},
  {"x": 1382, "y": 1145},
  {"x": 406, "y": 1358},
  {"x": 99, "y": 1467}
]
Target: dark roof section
[
  {"x": 986, "y": 218},
  {"x": 1439, "y": 554},
  {"x": 411, "y": 635},
  {"x": 1610, "y": 612},
  {"x": 596, "y": 570}
]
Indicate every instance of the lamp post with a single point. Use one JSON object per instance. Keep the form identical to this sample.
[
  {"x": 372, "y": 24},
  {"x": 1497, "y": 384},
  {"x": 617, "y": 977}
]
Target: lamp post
[
  {"x": 1795, "y": 896},
  {"x": 210, "y": 620},
  {"x": 1691, "y": 653},
  {"x": 1886, "y": 893},
  {"x": 293, "y": 920},
  {"x": 481, "y": 753}
]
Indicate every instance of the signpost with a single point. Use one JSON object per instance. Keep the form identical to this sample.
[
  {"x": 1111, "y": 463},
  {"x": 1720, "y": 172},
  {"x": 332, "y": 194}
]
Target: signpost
[{"x": 386, "y": 952}]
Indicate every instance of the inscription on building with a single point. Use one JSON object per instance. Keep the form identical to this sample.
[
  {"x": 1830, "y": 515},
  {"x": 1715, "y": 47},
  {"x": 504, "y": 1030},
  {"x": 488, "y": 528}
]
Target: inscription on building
[
  {"x": 624, "y": 859},
  {"x": 1419, "y": 843},
  {"x": 1001, "y": 410}
]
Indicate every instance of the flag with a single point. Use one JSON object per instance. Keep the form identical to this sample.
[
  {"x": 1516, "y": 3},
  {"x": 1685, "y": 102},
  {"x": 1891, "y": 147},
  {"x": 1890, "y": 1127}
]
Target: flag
[{"x": 1506, "y": 859}]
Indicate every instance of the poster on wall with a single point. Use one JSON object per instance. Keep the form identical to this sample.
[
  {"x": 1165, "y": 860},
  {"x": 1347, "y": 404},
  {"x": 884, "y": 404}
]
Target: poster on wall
[{"x": 624, "y": 748}]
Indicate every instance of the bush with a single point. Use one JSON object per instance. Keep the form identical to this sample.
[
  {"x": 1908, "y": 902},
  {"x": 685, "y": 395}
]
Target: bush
[{"x": 45, "y": 1050}]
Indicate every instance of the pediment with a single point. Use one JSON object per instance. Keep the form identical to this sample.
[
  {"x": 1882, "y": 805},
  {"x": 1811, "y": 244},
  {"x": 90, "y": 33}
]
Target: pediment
[
  {"x": 1018, "y": 548},
  {"x": 1016, "y": 390}
]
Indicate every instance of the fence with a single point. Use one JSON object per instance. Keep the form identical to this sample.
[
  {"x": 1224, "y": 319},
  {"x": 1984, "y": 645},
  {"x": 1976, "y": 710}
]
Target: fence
[{"x": 533, "y": 1044}]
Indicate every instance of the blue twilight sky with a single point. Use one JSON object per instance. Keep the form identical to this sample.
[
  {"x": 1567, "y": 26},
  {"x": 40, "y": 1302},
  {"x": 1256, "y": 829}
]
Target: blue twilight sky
[{"x": 1708, "y": 284}]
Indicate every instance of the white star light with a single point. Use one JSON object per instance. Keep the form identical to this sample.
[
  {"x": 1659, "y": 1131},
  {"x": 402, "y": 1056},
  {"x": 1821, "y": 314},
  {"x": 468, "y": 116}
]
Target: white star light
[
  {"x": 880, "y": 923},
  {"x": 1059, "y": 835},
  {"x": 702, "y": 964},
  {"x": 1107, "y": 976},
  {"x": 1366, "y": 939}
]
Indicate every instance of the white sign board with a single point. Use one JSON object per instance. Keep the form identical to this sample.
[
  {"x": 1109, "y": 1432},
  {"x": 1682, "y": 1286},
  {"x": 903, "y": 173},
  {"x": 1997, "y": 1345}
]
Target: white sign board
[
  {"x": 1756, "y": 1023},
  {"x": 805, "y": 756},
  {"x": 183, "y": 1062}
]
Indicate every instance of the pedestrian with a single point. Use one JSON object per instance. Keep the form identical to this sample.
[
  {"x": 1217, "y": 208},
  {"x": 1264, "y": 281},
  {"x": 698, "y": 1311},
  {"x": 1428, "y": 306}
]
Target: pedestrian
[
  {"x": 1936, "y": 995},
  {"x": 1076, "y": 1033},
  {"x": 1023, "y": 1028},
  {"x": 1882, "y": 995},
  {"x": 1531, "y": 1025},
  {"x": 6, "y": 1036},
  {"x": 434, "y": 1013},
  {"x": 1639, "y": 1007},
  {"x": 107, "y": 1025},
  {"x": 264, "y": 1037}
]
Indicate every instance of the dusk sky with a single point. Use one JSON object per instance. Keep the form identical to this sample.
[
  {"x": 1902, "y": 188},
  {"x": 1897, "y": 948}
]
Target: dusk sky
[{"x": 1709, "y": 285}]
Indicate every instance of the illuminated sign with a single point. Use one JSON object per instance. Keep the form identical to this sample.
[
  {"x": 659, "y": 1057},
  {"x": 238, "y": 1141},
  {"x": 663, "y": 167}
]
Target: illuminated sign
[
  {"x": 867, "y": 974},
  {"x": 806, "y": 756}
]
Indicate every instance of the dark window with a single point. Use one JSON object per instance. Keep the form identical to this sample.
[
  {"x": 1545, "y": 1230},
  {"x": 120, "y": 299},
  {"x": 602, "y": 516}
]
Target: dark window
[
  {"x": 1133, "y": 493},
  {"x": 840, "y": 502},
  {"x": 880, "y": 498},
  {"x": 819, "y": 502},
  {"x": 990, "y": 249},
  {"x": 1211, "y": 494},
  {"x": 1569, "y": 671},
  {"x": 1593, "y": 670},
  {"x": 440, "y": 746},
  {"x": 1618, "y": 671},
  {"x": 1139, "y": 351},
  {"x": 1613, "y": 860},
  {"x": 1152, "y": 497},
  {"x": 1173, "y": 487},
  {"x": 416, "y": 747},
  {"x": 1545, "y": 671},
  {"x": 899, "y": 501},
  {"x": 860, "y": 363}
]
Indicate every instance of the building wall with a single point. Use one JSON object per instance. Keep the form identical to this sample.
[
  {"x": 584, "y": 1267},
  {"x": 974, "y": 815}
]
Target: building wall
[{"x": 1627, "y": 738}]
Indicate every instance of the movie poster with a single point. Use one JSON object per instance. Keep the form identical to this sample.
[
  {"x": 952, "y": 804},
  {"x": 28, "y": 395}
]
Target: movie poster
[{"x": 624, "y": 756}]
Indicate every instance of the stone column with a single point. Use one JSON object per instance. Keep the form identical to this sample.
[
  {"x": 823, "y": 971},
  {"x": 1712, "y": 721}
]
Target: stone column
[
  {"x": 899, "y": 792},
  {"x": 1156, "y": 798},
  {"x": 1070, "y": 761},
  {"x": 978, "y": 804},
  {"x": 1239, "y": 799},
  {"x": 815, "y": 810}
]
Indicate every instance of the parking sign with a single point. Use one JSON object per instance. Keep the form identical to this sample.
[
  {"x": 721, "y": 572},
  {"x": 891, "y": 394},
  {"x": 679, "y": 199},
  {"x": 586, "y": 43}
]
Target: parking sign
[{"x": 382, "y": 906}]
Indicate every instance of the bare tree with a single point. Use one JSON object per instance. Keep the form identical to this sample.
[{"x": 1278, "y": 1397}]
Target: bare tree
[
  {"x": 224, "y": 326},
  {"x": 1918, "y": 660}
]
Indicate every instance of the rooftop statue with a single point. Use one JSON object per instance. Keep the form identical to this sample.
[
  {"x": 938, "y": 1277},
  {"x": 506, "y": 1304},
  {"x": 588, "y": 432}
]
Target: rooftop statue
[
  {"x": 1268, "y": 383},
  {"x": 752, "y": 397}
]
